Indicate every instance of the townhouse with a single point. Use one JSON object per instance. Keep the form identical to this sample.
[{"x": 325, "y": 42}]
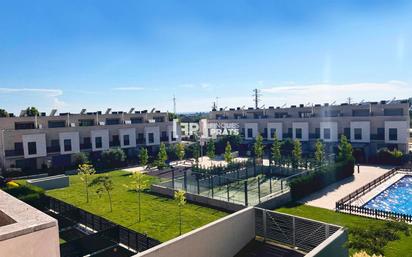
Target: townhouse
[
  {"x": 369, "y": 125},
  {"x": 52, "y": 140}
]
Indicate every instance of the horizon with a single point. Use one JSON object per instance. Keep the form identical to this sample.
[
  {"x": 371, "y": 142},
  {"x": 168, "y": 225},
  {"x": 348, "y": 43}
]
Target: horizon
[{"x": 141, "y": 54}]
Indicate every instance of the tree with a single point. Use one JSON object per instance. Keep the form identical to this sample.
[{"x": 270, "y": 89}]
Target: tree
[
  {"x": 161, "y": 156},
  {"x": 180, "y": 151},
  {"x": 139, "y": 183},
  {"x": 143, "y": 156},
  {"x": 104, "y": 184},
  {"x": 181, "y": 201},
  {"x": 32, "y": 111},
  {"x": 211, "y": 149},
  {"x": 80, "y": 158},
  {"x": 113, "y": 157},
  {"x": 196, "y": 152},
  {"x": 258, "y": 147},
  {"x": 296, "y": 153},
  {"x": 276, "y": 155},
  {"x": 319, "y": 152},
  {"x": 345, "y": 151},
  {"x": 228, "y": 153},
  {"x": 85, "y": 171},
  {"x": 3, "y": 113}
]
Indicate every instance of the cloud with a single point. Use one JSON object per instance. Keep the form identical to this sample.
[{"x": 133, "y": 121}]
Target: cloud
[
  {"x": 128, "y": 88},
  {"x": 44, "y": 91},
  {"x": 326, "y": 92},
  {"x": 203, "y": 86}
]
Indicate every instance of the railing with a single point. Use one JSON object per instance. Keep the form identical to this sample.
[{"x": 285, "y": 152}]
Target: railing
[
  {"x": 304, "y": 234},
  {"x": 132, "y": 239},
  {"x": 345, "y": 204}
]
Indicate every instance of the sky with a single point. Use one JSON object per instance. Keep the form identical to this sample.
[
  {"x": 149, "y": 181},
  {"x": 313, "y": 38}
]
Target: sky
[{"x": 77, "y": 54}]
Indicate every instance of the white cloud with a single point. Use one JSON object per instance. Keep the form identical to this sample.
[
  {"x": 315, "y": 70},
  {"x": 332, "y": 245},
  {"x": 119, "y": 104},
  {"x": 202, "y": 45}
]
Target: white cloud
[
  {"x": 128, "y": 88},
  {"x": 196, "y": 86},
  {"x": 44, "y": 91}
]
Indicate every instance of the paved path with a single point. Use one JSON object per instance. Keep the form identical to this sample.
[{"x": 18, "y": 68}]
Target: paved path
[{"x": 327, "y": 197}]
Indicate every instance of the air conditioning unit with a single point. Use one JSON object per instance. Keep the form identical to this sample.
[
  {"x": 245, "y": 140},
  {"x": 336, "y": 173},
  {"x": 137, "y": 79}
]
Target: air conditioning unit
[
  {"x": 101, "y": 123},
  {"x": 40, "y": 126},
  {"x": 151, "y": 121},
  {"x": 127, "y": 122},
  {"x": 72, "y": 125}
]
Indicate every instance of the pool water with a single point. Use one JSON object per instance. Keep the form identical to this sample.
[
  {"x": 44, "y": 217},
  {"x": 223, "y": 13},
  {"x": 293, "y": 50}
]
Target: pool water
[{"x": 396, "y": 198}]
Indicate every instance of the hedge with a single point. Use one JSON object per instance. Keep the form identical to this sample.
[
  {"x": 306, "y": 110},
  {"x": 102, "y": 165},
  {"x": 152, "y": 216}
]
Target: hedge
[
  {"x": 27, "y": 193},
  {"x": 315, "y": 180}
]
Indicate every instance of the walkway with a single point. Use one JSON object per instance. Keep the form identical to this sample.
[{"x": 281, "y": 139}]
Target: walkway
[
  {"x": 327, "y": 197},
  {"x": 259, "y": 249}
]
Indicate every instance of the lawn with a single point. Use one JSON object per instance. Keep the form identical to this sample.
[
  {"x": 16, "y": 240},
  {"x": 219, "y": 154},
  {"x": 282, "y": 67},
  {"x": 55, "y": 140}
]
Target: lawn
[
  {"x": 401, "y": 247},
  {"x": 159, "y": 214}
]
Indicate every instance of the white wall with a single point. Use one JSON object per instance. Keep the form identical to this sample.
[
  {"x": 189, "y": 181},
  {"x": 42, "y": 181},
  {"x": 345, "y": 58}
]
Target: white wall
[
  {"x": 366, "y": 131},
  {"x": 74, "y": 137},
  {"x": 333, "y": 126},
  {"x": 403, "y": 130},
  {"x": 156, "y": 135},
  {"x": 305, "y": 130},
  {"x": 279, "y": 130},
  {"x": 104, "y": 134},
  {"x": 41, "y": 147},
  {"x": 254, "y": 127},
  {"x": 222, "y": 238},
  {"x": 132, "y": 137}
]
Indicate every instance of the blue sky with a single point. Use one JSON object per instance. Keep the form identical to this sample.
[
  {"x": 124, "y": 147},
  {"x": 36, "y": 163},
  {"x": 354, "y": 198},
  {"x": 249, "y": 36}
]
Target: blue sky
[{"x": 120, "y": 54}]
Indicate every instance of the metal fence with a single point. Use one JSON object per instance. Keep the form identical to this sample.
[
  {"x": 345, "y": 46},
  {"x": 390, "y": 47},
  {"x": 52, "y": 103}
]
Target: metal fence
[
  {"x": 346, "y": 203},
  {"x": 293, "y": 231},
  {"x": 119, "y": 234}
]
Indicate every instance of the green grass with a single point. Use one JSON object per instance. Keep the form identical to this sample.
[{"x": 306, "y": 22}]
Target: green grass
[
  {"x": 401, "y": 247},
  {"x": 159, "y": 214}
]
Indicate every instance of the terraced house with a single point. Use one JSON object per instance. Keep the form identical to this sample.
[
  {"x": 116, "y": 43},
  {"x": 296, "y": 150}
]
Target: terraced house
[
  {"x": 368, "y": 125},
  {"x": 32, "y": 142}
]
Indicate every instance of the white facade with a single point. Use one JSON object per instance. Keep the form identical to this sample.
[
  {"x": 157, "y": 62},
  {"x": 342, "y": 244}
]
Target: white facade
[
  {"x": 304, "y": 127},
  {"x": 332, "y": 127},
  {"x": 278, "y": 127},
  {"x": 155, "y": 131},
  {"x": 104, "y": 135},
  {"x": 364, "y": 127},
  {"x": 253, "y": 127},
  {"x": 41, "y": 146},
  {"x": 131, "y": 132},
  {"x": 74, "y": 139},
  {"x": 402, "y": 132}
]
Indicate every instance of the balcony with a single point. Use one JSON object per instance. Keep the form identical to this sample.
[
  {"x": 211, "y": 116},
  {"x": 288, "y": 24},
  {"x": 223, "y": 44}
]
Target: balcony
[
  {"x": 53, "y": 149},
  {"x": 86, "y": 146},
  {"x": 14, "y": 153},
  {"x": 164, "y": 139}
]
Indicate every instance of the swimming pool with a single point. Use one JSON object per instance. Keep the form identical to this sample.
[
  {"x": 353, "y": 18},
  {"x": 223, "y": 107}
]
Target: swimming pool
[{"x": 396, "y": 198}]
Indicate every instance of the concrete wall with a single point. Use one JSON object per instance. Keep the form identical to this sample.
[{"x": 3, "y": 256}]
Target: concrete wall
[
  {"x": 222, "y": 238},
  {"x": 333, "y": 246},
  {"x": 276, "y": 202}
]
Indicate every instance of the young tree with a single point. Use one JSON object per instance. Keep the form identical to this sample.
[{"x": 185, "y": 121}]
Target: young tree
[
  {"x": 228, "y": 153},
  {"x": 276, "y": 155},
  {"x": 85, "y": 172},
  {"x": 345, "y": 151},
  {"x": 196, "y": 152},
  {"x": 32, "y": 111},
  {"x": 258, "y": 147},
  {"x": 211, "y": 149},
  {"x": 161, "y": 156},
  {"x": 296, "y": 153},
  {"x": 103, "y": 183},
  {"x": 139, "y": 183},
  {"x": 181, "y": 201},
  {"x": 143, "y": 156},
  {"x": 180, "y": 151},
  {"x": 319, "y": 152}
]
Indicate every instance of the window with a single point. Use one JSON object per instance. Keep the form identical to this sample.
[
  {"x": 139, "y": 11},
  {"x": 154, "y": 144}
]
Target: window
[
  {"x": 67, "y": 145},
  {"x": 159, "y": 119},
  {"x": 57, "y": 124},
  {"x": 136, "y": 120},
  {"x": 393, "y": 112},
  {"x": 32, "y": 148},
  {"x": 86, "y": 123},
  {"x": 249, "y": 132},
  {"x": 164, "y": 135},
  {"x": 381, "y": 134},
  {"x": 317, "y": 132},
  {"x": 358, "y": 133},
  {"x": 346, "y": 132},
  {"x": 112, "y": 121},
  {"x": 126, "y": 140},
  {"x": 272, "y": 132},
  {"x": 298, "y": 133},
  {"x": 360, "y": 113},
  {"x": 98, "y": 142},
  {"x": 326, "y": 133},
  {"x": 140, "y": 138},
  {"x": 24, "y": 125},
  {"x": 115, "y": 140},
  {"x": 87, "y": 142},
  {"x": 393, "y": 134},
  {"x": 172, "y": 136},
  {"x": 151, "y": 138}
]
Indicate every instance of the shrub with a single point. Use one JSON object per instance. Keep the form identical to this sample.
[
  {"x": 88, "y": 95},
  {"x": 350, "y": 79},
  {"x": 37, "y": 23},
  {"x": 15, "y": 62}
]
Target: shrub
[
  {"x": 80, "y": 158},
  {"x": 313, "y": 181},
  {"x": 113, "y": 158},
  {"x": 387, "y": 156},
  {"x": 30, "y": 194}
]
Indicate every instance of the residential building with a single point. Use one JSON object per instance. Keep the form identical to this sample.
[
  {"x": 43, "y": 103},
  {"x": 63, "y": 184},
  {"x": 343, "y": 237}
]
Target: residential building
[
  {"x": 33, "y": 142},
  {"x": 369, "y": 125}
]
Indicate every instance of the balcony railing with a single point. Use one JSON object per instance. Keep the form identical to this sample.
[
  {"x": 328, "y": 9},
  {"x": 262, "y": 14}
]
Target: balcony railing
[
  {"x": 13, "y": 153},
  {"x": 53, "y": 149}
]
